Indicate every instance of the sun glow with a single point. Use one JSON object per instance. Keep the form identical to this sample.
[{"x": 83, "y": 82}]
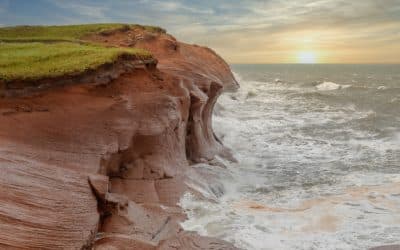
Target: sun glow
[{"x": 306, "y": 57}]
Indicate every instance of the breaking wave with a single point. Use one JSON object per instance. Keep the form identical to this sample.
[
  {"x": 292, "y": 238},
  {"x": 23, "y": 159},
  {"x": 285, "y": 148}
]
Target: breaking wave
[
  {"x": 317, "y": 168},
  {"x": 327, "y": 86}
]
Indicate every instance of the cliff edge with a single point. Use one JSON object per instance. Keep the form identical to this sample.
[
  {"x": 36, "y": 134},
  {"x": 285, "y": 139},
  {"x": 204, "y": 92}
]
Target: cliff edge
[{"x": 98, "y": 160}]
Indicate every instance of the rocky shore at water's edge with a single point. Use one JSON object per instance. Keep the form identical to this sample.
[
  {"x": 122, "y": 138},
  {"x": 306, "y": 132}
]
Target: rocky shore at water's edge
[{"x": 99, "y": 161}]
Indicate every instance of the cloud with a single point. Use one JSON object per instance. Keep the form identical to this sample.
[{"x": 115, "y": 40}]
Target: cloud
[
  {"x": 239, "y": 30},
  {"x": 88, "y": 9},
  {"x": 175, "y": 6},
  {"x": 258, "y": 30}
]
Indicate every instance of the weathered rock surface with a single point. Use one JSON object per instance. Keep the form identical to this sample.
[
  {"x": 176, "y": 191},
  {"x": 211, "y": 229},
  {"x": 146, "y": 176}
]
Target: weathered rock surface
[{"x": 102, "y": 165}]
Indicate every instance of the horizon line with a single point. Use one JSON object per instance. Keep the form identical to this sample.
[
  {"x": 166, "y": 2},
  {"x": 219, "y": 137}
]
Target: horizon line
[{"x": 266, "y": 63}]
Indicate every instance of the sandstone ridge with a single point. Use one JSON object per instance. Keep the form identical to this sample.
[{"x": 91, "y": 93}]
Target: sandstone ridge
[{"x": 99, "y": 160}]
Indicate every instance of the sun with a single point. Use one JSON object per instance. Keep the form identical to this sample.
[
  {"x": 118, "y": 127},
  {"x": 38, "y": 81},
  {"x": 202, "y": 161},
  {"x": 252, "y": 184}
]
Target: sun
[{"x": 306, "y": 57}]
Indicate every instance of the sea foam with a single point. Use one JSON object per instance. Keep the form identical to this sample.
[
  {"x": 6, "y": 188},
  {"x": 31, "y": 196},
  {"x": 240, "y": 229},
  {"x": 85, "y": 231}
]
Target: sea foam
[
  {"x": 312, "y": 173},
  {"x": 328, "y": 86}
]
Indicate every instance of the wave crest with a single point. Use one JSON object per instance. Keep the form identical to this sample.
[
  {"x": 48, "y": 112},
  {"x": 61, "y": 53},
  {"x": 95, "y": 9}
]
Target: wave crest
[{"x": 328, "y": 86}]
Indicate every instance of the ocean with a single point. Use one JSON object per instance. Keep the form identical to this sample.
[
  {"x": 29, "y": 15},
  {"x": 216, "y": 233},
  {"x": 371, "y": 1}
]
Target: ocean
[{"x": 318, "y": 159}]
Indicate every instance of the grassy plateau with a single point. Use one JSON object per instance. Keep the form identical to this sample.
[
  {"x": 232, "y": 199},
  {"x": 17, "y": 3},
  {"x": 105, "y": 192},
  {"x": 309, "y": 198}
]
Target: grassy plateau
[{"x": 34, "y": 52}]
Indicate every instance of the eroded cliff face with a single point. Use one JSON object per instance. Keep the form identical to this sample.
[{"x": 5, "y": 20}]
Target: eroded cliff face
[{"x": 102, "y": 164}]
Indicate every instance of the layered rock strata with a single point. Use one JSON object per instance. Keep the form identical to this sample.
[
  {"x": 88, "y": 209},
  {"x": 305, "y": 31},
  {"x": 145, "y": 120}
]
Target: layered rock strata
[{"x": 101, "y": 164}]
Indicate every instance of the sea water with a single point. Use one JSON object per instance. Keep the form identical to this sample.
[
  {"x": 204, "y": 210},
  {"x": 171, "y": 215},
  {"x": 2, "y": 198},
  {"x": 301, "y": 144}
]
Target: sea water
[{"x": 318, "y": 150}]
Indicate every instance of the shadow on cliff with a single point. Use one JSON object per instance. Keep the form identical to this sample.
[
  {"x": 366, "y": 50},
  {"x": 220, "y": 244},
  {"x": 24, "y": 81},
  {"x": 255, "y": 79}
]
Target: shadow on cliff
[{"x": 100, "y": 161}]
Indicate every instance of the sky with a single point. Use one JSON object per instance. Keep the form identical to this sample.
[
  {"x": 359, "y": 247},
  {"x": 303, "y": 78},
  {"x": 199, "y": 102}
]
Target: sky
[{"x": 247, "y": 31}]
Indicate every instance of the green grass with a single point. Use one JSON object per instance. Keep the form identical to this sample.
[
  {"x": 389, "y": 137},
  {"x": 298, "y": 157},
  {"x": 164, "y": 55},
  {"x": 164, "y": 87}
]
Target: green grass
[
  {"x": 34, "y": 52},
  {"x": 64, "y": 33},
  {"x": 30, "y": 61}
]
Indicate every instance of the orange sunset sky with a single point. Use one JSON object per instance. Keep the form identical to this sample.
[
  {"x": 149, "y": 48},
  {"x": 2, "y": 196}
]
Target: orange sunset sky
[{"x": 251, "y": 31}]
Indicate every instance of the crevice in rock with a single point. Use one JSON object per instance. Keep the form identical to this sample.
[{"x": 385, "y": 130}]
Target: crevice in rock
[
  {"x": 161, "y": 228},
  {"x": 152, "y": 124}
]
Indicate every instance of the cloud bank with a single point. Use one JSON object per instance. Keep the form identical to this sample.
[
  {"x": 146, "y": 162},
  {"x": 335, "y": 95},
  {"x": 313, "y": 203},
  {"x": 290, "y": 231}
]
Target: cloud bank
[{"x": 251, "y": 31}]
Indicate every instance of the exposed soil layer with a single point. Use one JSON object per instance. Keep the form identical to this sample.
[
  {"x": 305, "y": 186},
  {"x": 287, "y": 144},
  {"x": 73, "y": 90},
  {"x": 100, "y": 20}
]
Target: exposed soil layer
[
  {"x": 101, "y": 163},
  {"x": 102, "y": 75}
]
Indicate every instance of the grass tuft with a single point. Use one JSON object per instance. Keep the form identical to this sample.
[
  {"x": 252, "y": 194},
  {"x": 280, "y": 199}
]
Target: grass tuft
[
  {"x": 34, "y": 52},
  {"x": 23, "y": 61},
  {"x": 66, "y": 33}
]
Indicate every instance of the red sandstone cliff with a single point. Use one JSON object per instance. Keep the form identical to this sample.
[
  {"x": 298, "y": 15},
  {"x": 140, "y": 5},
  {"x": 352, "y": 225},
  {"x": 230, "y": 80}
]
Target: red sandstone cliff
[{"x": 89, "y": 164}]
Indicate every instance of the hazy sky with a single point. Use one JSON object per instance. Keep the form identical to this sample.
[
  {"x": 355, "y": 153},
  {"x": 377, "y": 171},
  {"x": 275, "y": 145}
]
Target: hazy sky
[{"x": 247, "y": 31}]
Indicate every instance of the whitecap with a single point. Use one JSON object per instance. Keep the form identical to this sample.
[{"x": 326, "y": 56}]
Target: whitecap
[
  {"x": 345, "y": 86},
  {"x": 251, "y": 94},
  {"x": 382, "y": 87},
  {"x": 327, "y": 86}
]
